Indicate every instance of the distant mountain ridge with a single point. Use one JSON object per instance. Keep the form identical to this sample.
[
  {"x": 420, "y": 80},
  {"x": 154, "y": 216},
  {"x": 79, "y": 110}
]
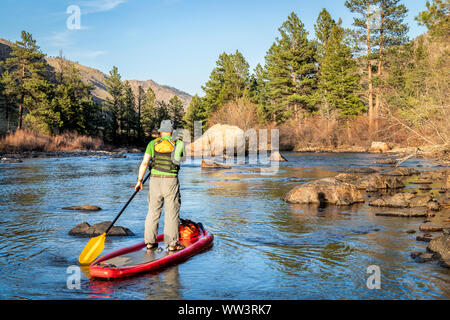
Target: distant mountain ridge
[{"x": 98, "y": 79}]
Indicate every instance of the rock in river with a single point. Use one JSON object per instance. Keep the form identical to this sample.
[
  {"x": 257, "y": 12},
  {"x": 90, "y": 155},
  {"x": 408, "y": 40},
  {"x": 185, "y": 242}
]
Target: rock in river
[
  {"x": 376, "y": 180},
  {"x": 441, "y": 247},
  {"x": 324, "y": 191},
  {"x": 84, "y": 207},
  {"x": 84, "y": 229},
  {"x": 276, "y": 156},
  {"x": 402, "y": 200},
  {"x": 207, "y": 164}
]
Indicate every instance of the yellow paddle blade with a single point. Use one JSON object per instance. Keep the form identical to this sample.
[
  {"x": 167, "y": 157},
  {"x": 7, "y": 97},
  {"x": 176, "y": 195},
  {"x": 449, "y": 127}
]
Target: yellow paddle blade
[{"x": 93, "y": 248}]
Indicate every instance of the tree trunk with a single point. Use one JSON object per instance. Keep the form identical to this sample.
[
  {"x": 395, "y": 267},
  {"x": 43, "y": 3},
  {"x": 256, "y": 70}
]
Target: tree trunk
[
  {"x": 19, "y": 122},
  {"x": 379, "y": 71},
  {"x": 369, "y": 71}
]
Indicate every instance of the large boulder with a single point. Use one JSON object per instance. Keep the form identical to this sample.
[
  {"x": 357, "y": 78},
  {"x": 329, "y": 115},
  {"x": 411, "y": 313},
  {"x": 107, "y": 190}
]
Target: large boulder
[
  {"x": 277, "y": 157},
  {"x": 84, "y": 229},
  {"x": 218, "y": 140},
  {"x": 379, "y": 147},
  {"x": 372, "y": 181},
  {"x": 440, "y": 246},
  {"x": 324, "y": 191}
]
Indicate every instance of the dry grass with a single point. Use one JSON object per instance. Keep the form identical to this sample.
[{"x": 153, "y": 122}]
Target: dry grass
[
  {"x": 26, "y": 140},
  {"x": 241, "y": 113}
]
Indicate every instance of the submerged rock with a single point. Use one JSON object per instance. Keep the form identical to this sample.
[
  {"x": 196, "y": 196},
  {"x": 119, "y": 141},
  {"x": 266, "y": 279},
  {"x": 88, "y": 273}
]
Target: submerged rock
[
  {"x": 324, "y": 191},
  {"x": 10, "y": 160},
  {"x": 207, "y": 164},
  {"x": 403, "y": 213},
  {"x": 400, "y": 172},
  {"x": 425, "y": 237},
  {"x": 366, "y": 170},
  {"x": 386, "y": 161},
  {"x": 84, "y": 229},
  {"x": 84, "y": 207},
  {"x": 422, "y": 257}
]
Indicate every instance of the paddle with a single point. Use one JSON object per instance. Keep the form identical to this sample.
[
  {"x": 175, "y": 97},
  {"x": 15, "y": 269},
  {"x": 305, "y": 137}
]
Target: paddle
[{"x": 96, "y": 245}]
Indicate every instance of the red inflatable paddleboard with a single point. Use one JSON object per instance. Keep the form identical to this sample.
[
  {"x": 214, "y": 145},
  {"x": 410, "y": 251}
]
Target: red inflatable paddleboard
[{"x": 136, "y": 259}]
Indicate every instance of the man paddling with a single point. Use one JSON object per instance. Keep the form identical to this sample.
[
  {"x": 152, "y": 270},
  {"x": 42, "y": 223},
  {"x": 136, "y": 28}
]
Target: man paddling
[{"x": 165, "y": 154}]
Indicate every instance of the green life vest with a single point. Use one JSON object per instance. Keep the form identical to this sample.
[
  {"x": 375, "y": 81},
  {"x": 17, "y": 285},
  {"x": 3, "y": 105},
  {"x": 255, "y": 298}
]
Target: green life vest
[{"x": 163, "y": 156}]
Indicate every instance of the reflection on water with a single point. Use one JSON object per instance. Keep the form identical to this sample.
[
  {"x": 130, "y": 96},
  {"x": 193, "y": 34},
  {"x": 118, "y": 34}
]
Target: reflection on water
[{"x": 263, "y": 248}]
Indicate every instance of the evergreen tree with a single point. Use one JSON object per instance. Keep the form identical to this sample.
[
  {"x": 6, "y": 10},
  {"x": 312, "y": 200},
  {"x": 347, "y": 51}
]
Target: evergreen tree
[
  {"x": 323, "y": 27},
  {"x": 140, "y": 100},
  {"x": 196, "y": 111},
  {"x": 392, "y": 31},
  {"x": 227, "y": 82},
  {"x": 339, "y": 81},
  {"x": 114, "y": 103},
  {"x": 129, "y": 116},
  {"x": 176, "y": 112},
  {"x": 365, "y": 39},
  {"x": 290, "y": 72},
  {"x": 73, "y": 101},
  {"x": 436, "y": 18},
  {"x": 148, "y": 112},
  {"x": 24, "y": 80}
]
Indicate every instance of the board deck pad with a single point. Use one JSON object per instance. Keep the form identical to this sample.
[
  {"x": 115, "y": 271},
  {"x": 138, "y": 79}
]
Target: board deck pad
[
  {"x": 142, "y": 256},
  {"x": 136, "y": 257}
]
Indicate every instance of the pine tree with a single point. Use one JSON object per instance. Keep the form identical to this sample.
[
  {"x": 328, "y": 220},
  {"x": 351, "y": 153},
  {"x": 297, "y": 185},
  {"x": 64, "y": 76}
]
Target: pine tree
[
  {"x": 139, "y": 100},
  {"x": 196, "y": 111},
  {"x": 24, "y": 80},
  {"x": 176, "y": 111},
  {"x": 114, "y": 103},
  {"x": 364, "y": 37},
  {"x": 339, "y": 80},
  {"x": 73, "y": 101},
  {"x": 148, "y": 112},
  {"x": 436, "y": 18},
  {"x": 392, "y": 32},
  {"x": 323, "y": 27},
  {"x": 290, "y": 72},
  {"x": 227, "y": 82},
  {"x": 129, "y": 116}
]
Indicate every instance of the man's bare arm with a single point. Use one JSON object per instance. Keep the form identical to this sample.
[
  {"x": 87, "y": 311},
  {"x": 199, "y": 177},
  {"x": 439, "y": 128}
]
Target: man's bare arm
[{"x": 142, "y": 169}]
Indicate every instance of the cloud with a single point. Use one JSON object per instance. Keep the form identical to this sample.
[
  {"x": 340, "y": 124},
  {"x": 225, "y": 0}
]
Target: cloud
[
  {"x": 60, "y": 39},
  {"x": 99, "y": 5}
]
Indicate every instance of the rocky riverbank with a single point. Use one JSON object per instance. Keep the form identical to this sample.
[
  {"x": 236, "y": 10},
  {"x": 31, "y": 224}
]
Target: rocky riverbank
[
  {"x": 12, "y": 157},
  {"x": 394, "y": 192}
]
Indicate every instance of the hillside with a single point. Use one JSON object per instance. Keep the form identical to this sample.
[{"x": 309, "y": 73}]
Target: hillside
[{"x": 98, "y": 78}]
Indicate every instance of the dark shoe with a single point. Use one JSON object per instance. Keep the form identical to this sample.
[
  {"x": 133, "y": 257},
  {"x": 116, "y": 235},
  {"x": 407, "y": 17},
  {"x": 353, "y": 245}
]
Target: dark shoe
[
  {"x": 176, "y": 247},
  {"x": 151, "y": 246}
]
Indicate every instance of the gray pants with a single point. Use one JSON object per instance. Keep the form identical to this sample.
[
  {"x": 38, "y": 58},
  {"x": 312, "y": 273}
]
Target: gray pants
[{"x": 163, "y": 191}]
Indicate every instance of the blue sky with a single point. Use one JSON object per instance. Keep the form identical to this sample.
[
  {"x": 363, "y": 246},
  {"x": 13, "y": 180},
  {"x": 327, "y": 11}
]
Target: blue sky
[{"x": 173, "y": 42}]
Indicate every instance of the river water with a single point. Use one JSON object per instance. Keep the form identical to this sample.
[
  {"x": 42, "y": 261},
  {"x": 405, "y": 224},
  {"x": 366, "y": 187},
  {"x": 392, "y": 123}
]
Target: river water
[{"x": 264, "y": 248}]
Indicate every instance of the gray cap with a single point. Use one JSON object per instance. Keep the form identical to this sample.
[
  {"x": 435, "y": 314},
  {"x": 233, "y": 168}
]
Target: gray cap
[{"x": 166, "y": 126}]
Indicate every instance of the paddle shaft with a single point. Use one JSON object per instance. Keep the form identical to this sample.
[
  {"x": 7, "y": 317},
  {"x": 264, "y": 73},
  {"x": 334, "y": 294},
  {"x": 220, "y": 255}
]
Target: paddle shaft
[{"x": 126, "y": 205}]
